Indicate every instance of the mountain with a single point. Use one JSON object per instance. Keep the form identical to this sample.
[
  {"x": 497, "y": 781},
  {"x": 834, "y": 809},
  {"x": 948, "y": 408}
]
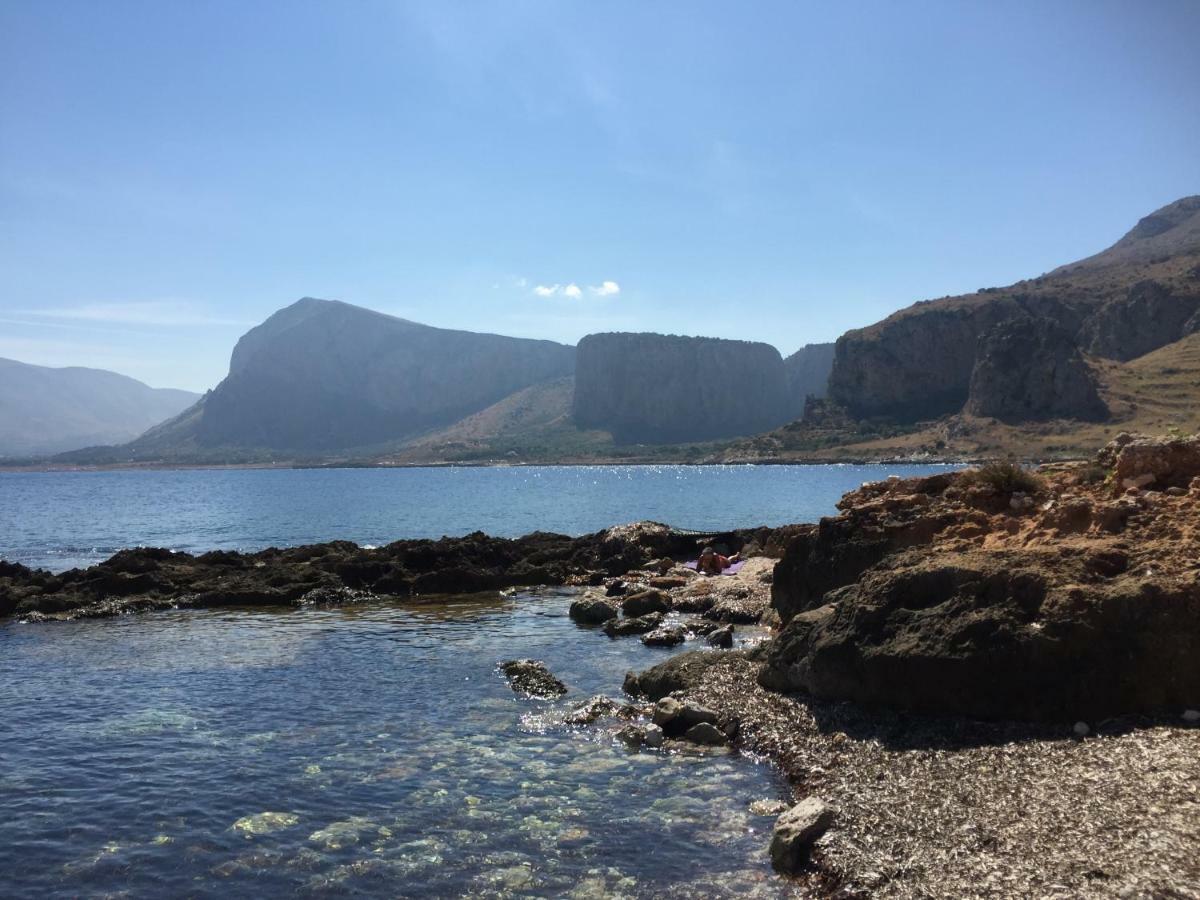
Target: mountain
[
  {"x": 323, "y": 376},
  {"x": 49, "y": 410},
  {"x": 653, "y": 388},
  {"x": 1140, "y": 294}
]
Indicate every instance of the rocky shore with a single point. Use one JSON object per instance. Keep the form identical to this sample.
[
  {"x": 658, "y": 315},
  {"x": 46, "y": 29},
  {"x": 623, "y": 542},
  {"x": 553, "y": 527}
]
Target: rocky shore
[{"x": 979, "y": 683}]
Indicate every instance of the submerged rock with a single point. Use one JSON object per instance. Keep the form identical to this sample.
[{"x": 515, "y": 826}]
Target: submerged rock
[
  {"x": 532, "y": 678},
  {"x": 795, "y": 832},
  {"x": 265, "y": 822}
]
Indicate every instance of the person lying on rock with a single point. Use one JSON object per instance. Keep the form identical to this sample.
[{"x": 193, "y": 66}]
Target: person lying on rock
[{"x": 713, "y": 563}]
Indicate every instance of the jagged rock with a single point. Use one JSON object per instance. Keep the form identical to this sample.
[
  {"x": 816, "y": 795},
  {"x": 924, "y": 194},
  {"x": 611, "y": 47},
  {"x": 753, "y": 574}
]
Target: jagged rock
[
  {"x": 641, "y": 736},
  {"x": 1029, "y": 369},
  {"x": 651, "y": 388},
  {"x": 722, "y": 637},
  {"x": 643, "y": 602},
  {"x": 676, "y": 716},
  {"x": 616, "y": 588},
  {"x": 592, "y": 610},
  {"x": 665, "y": 636},
  {"x": 599, "y": 707},
  {"x": 680, "y": 672},
  {"x": 796, "y": 831},
  {"x": 532, "y": 678},
  {"x": 333, "y": 596},
  {"x": 615, "y": 628}
]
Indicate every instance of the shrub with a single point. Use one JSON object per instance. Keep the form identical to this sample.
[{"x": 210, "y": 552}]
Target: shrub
[{"x": 1004, "y": 476}]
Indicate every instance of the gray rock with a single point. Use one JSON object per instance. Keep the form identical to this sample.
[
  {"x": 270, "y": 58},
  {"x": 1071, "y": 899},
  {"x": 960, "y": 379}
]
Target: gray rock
[
  {"x": 706, "y": 733},
  {"x": 795, "y": 832},
  {"x": 665, "y": 636},
  {"x": 637, "y": 625},
  {"x": 641, "y": 736},
  {"x": 644, "y": 602},
  {"x": 676, "y": 717},
  {"x": 592, "y": 610},
  {"x": 722, "y": 637},
  {"x": 532, "y": 678}
]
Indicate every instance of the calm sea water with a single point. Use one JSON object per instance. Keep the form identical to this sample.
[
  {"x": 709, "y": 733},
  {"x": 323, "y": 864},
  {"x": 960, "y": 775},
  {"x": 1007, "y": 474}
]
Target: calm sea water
[
  {"x": 58, "y": 520},
  {"x": 372, "y": 751}
]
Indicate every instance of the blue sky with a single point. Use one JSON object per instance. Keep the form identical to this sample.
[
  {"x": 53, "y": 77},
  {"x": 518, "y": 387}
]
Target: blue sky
[{"x": 171, "y": 173}]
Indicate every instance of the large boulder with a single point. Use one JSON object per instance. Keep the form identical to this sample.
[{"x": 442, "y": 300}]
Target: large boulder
[
  {"x": 1017, "y": 634},
  {"x": 796, "y": 831},
  {"x": 1153, "y": 462},
  {"x": 531, "y": 678},
  {"x": 653, "y": 388},
  {"x": 1030, "y": 369}
]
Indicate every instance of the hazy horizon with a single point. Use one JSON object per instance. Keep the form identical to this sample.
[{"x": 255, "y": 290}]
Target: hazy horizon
[{"x": 172, "y": 175}]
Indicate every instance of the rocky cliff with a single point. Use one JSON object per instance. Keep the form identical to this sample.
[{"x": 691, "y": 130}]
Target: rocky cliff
[
  {"x": 323, "y": 375},
  {"x": 1030, "y": 369},
  {"x": 1140, "y": 294},
  {"x": 808, "y": 374},
  {"x": 652, "y": 388}
]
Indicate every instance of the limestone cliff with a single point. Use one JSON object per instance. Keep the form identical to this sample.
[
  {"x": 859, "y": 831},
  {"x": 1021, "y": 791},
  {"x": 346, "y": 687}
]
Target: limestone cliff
[
  {"x": 1138, "y": 295},
  {"x": 1030, "y": 369},
  {"x": 652, "y": 388}
]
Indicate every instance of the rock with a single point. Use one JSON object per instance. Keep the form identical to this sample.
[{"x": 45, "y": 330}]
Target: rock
[
  {"x": 681, "y": 672},
  {"x": 1030, "y": 369},
  {"x": 1191, "y": 715},
  {"x": 615, "y": 628},
  {"x": 808, "y": 374},
  {"x": 592, "y": 610},
  {"x": 650, "y": 388},
  {"x": 641, "y": 736},
  {"x": 665, "y": 636},
  {"x": 1154, "y": 462},
  {"x": 676, "y": 717},
  {"x": 616, "y": 588},
  {"x": 668, "y": 582},
  {"x": 644, "y": 602},
  {"x": 333, "y": 596},
  {"x": 706, "y": 733},
  {"x": 796, "y": 831},
  {"x": 722, "y": 637},
  {"x": 1177, "y": 491},
  {"x": 1081, "y": 729},
  {"x": 1148, "y": 316},
  {"x": 596, "y": 708},
  {"x": 532, "y": 678}
]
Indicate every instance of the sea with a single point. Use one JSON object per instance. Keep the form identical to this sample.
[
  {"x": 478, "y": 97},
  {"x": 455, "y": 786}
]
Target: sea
[{"x": 367, "y": 751}]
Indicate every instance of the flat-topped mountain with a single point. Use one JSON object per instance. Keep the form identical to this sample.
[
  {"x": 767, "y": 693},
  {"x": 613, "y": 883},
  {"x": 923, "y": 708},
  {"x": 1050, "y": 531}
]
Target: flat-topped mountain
[
  {"x": 1140, "y": 294},
  {"x": 322, "y": 375},
  {"x": 50, "y": 410},
  {"x": 653, "y": 388}
]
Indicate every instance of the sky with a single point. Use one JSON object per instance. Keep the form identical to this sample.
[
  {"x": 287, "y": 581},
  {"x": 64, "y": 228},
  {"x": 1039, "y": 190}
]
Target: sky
[{"x": 172, "y": 173}]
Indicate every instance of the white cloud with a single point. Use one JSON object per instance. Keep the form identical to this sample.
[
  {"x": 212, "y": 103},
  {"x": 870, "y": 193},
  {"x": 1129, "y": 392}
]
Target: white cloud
[
  {"x": 170, "y": 313},
  {"x": 573, "y": 291}
]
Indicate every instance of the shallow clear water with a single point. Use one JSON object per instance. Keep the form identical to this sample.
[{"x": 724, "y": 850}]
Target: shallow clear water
[
  {"x": 372, "y": 751},
  {"x": 59, "y": 520}
]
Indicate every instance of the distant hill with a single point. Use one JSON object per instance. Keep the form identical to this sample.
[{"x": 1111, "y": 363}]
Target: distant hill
[
  {"x": 49, "y": 410},
  {"x": 808, "y": 374},
  {"x": 321, "y": 377},
  {"x": 1138, "y": 295}
]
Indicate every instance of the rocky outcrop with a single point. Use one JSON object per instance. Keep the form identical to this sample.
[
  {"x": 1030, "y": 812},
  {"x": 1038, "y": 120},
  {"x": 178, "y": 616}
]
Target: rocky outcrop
[
  {"x": 147, "y": 578},
  {"x": 1134, "y": 297},
  {"x": 323, "y": 375},
  {"x": 1149, "y": 316},
  {"x": 1030, "y": 369},
  {"x": 960, "y": 595},
  {"x": 651, "y": 388},
  {"x": 808, "y": 374},
  {"x": 531, "y": 678}
]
